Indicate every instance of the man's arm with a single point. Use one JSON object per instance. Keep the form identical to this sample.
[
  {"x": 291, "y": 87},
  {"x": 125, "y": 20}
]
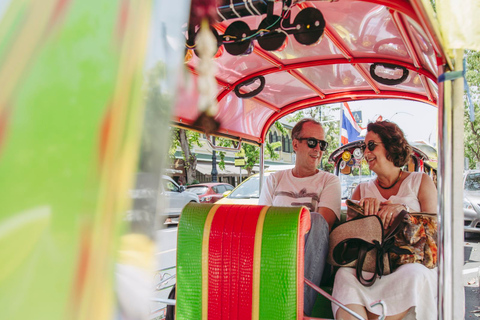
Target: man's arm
[
  {"x": 266, "y": 194},
  {"x": 330, "y": 201},
  {"x": 329, "y": 216}
]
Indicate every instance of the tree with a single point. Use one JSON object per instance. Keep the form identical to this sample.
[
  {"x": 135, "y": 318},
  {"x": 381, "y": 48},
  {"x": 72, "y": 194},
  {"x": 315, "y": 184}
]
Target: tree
[
  {"x": 252, "y": 152},
  {"x": 186, "y": 140},
  {"x": 472, "y": 129}
]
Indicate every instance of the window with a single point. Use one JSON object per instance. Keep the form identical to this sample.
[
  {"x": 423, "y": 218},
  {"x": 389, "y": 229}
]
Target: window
[
  {"x": 219, "y": 189},
  {"x": 472, "y": 182},
  {"x": 169, "y": 185}
]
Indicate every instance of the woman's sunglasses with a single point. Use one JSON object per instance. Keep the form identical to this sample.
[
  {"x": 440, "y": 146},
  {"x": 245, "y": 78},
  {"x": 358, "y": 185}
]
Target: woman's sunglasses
[
  {"x": 371, "y": 145},
  {"x": 312, "y": 143}
]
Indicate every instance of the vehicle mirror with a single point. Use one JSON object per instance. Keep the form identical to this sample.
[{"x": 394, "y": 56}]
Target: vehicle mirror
[
  {"x": 182, "y": 188},
  {"x": 226, "y": 193}
]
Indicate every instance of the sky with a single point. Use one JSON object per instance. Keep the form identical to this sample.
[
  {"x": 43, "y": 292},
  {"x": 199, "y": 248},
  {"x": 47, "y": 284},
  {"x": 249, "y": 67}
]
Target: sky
[{"x": 417, "y": 120}]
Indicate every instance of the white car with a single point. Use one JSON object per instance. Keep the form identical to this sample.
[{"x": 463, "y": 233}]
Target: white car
[
  {"x": 162, "y": 197},
  {"x": 175, "y": 197},
  {"x": 471, "y": 201}
]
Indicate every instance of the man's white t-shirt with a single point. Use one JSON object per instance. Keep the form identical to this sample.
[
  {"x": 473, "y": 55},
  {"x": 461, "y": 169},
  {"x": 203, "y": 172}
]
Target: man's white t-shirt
[{"x": 283, "y": 189}]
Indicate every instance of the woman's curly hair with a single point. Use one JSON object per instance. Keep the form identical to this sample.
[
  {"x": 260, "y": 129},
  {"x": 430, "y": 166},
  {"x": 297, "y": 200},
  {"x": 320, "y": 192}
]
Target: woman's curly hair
[{"x": 393, "y": 139}]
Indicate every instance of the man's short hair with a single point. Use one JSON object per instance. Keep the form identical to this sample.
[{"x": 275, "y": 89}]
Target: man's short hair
[{"x": 297, "y": 129}]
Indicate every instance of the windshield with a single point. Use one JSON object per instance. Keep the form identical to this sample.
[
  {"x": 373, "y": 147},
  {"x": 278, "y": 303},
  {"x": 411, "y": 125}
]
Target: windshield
[
  {"x": 197, "y": 190},
  {"x": 472, "y": 182},
  {"x": 248, "y": 189}
]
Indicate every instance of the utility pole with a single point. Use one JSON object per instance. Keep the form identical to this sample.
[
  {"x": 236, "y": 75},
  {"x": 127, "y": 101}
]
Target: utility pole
[{"x": 214, "y": 163}]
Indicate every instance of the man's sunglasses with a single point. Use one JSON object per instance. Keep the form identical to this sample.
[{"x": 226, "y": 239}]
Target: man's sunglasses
[
  {"x": 312, "y": 143},
  {"x": 371, "y": 145}
]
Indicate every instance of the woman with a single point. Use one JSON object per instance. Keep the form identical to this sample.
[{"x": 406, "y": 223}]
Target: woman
[{"x": 411, "y": 291}]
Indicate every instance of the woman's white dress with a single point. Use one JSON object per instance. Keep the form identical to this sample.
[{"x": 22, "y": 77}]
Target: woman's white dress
[{"x": 411, "y": 285}]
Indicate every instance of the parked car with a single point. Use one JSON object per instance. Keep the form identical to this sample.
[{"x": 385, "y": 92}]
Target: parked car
[
  {"x": 248, "y": 191},
  {"x": 210, "y": 192},
  {"x": 471, "y": 201},
  {"x": 163, "y": 197}
]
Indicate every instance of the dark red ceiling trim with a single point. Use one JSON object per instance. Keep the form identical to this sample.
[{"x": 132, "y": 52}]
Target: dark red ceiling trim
[
  {"x": 337, "y": 42},
  {"x": 340, "y": 97},
  {"x": 315, "y": 63},
  {"x": 185, "y": 123},
  {"x": 259, "y": 100},
  {"x": 403, "y": 6},
  {"x": 424, "y": 21},
  {"x": 425, "y": 84},
  {"x": 400, "y": 24},
  {"x": 367, "y": 77},
  {"x": 226, "y": 86},
  {"x": 267, "y": 56}
]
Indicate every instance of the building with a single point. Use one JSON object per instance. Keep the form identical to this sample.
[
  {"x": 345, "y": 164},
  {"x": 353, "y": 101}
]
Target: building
[{"x": 232, "y": 174}]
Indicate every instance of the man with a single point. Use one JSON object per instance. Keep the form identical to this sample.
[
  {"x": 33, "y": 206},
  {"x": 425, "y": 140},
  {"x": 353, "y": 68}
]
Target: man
[{"x": 305, "y": 185}]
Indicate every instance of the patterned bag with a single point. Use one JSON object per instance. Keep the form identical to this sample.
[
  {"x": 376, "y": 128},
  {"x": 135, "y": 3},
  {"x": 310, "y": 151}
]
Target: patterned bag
[{"x": 419, "y": 236}]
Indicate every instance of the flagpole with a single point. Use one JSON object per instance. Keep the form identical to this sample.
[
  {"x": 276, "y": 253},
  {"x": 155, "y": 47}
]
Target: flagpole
[{"x": 340, "y": 126}]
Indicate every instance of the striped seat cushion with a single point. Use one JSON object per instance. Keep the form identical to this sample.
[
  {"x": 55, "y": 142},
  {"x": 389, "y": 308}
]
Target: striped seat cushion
[{"x": 240, "y": 262}]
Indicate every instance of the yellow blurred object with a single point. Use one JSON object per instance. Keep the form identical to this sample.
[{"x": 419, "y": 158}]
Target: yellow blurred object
[
  {"x": 19, "y": 235},
  {"x": 459, "y": 23},
  {"x": 136, "y": 250}
]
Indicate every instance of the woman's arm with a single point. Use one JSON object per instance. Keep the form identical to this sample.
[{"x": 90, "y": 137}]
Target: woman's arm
[{"x": 427, "y": 195}]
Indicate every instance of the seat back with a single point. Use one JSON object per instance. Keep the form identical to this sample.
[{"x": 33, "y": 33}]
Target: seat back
[{"x": 240, "y": 262}]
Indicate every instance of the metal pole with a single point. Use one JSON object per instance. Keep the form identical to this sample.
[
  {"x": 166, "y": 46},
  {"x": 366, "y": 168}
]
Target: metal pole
[
  {"x": 240, "y": 175},
  {"x": 451, "y": 296},
  {"x": 214, "y": 163},
  {"x": 262, "y": 164},
  {"x": 340, "y": 126}
]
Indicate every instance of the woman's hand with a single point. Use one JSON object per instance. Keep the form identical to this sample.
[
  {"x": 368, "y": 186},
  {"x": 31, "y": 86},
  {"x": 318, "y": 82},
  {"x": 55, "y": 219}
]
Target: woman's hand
[
  {"x": 388, "y": 211},
  {"x": 370, "y": 206}
]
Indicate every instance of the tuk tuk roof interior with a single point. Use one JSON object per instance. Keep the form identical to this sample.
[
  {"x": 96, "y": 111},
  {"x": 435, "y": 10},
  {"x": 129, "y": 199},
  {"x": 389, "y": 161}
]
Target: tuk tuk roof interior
[{"x": 352, "y": 50}]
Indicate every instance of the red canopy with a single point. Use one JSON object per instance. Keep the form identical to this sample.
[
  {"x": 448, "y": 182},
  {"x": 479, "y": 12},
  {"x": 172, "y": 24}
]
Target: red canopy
[{"x": 357, "y": 34}]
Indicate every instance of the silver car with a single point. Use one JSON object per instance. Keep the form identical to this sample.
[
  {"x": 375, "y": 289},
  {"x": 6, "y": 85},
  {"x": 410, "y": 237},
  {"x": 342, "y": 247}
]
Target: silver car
[{"x": 471, "y": 201}]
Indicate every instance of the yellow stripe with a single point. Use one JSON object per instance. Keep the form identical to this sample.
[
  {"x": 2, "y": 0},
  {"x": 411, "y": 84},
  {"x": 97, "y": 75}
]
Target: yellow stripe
[
  {"x": 257, "y": 254},
  {"x": 205, "y": 241}
]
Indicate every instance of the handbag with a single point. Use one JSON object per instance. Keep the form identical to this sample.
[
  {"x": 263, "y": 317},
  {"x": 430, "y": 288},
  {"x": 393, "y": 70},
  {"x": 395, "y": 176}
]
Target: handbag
[
  {"x": 418, "y": 235},
  {"x": 412, "y": 238},
  {"x": 363, "y": 244}
]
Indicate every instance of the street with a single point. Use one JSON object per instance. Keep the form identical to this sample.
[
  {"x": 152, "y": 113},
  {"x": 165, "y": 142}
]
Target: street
[{"x": 471, "y": 276}]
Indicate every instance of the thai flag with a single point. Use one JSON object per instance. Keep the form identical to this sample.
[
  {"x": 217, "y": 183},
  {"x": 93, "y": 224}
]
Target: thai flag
[{"x": 350, "y": 129}]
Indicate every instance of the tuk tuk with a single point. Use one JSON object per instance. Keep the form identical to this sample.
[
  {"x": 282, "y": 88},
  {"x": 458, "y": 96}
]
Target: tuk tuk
[{"x": 90, "y": 88}]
